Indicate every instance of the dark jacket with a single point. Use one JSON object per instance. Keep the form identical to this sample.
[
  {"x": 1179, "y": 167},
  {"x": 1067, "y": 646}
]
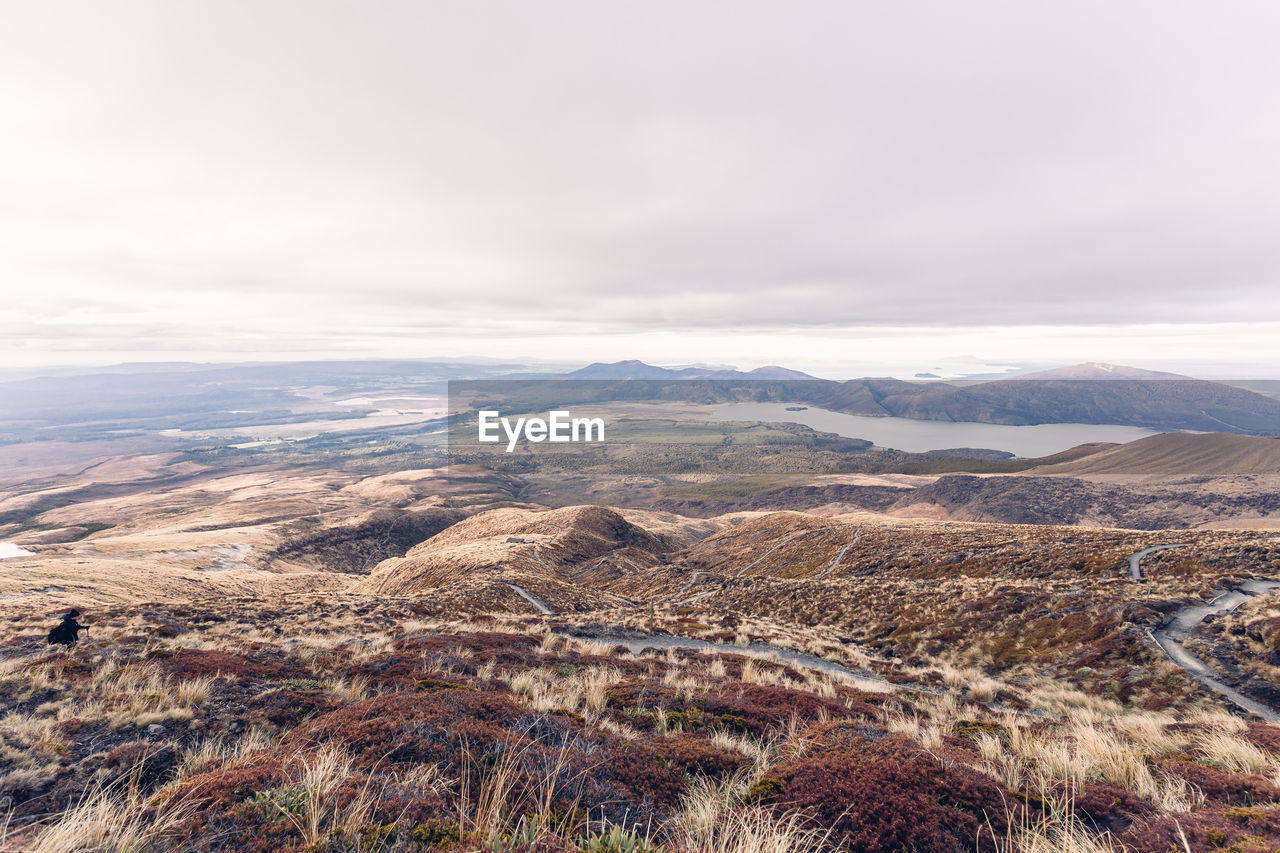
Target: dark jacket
[{"x": 66, "y": 632}]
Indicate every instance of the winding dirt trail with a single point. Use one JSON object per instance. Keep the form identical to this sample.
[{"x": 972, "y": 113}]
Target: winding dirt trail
[
  {"x": 759, "y": 559},
  {"x": 538, "y": 604},
  {"x": 863, "y": 679},
  {"x": 697, "y": 597},
  {"x": 693, "y": 578},
  {"x": 1135, "y": 560},
  {"x": 759, "y": 650},
  {"x": 854, "y": 541},
  {"x": 1171, "y": 635}
]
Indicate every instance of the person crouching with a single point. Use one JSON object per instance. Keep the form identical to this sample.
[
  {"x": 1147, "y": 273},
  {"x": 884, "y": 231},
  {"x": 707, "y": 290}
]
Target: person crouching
[{"x": 67, "y": 632}]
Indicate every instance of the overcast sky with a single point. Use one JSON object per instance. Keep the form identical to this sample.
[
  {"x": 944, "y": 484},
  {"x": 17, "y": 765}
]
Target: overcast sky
[{"x": 820, "y": 184}]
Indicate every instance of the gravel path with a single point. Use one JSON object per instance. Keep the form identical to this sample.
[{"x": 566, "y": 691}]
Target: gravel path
[
  {"x": 693, "y": 578},
  {"x": 527, "y": 596},
  {"x": 856, "y": 534},
  {"x": 1170, "y": 639},
  {"x": 757, "y": 561},
  {"x": 1135, "y": 560}
]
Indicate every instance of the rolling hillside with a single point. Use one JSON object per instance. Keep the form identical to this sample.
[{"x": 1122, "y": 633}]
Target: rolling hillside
[{"x": 1208, "y": 454}]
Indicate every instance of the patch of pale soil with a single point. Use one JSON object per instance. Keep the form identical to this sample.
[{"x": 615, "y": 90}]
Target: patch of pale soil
[
  {"x": 14, "y": 501},
  {"x": 52, "y": 581},
  {"x": 679, "y": 528},
  {"x": 904, "y": 481},
  {"x": 205, "y": 512},
  {"x": 31, "y": 462},
  {"x": 1266, "y": 524},
  {"x": 641, "y": 410},
  {"x": 115, "y": 470},
  {"x": 932, "y": 512},
  {"x": 833, "y": 510},
  {"x": 853, "y": 514},
  {"x": 1218, "y": 484},
  {"x": 305, "y": 429},
  {"x": 398, "y": 485}
]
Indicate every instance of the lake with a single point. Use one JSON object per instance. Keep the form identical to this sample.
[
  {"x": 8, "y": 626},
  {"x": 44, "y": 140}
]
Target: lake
[
  {"x": 920, "y": 436},
  {"x": 8, "y": 549}
]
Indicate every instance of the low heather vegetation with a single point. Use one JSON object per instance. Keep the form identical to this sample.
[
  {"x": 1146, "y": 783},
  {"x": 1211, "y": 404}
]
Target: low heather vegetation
[{"x": 375, "y": 729}]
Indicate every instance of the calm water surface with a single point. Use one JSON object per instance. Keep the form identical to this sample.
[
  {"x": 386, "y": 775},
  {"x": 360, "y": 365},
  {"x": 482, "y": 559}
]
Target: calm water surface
[
  {"x": 920, "y": 436},
  {"x": 8, "y": 549}
]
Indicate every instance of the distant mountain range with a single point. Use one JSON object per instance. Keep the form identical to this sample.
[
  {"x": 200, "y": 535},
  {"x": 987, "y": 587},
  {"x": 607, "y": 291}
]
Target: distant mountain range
[
  {"x": 1167, "y": 404},
  {"x": 633, "y": 369},
  {"x": 1089, "y": 393},
  {"x": 1094, "y": 370}
]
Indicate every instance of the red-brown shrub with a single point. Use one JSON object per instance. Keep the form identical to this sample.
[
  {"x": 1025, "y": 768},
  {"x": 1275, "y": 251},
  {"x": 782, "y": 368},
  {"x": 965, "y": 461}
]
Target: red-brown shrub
[
  {"x": 232, "y": 814},
  {"x": 217, "y": 797},
  {"x": 417, "y": 727},
  {"x": 637, "y": 768},
  {"x": 190, "y": 663},
  {"x": 1107, "y": 807},
  {"x": 641, "y": 693},
  {"x": 764, "y": 706},
  {"x": 395, "y": 669},
  {"x": 1235, "y": 828},
  {"x": 1234, "y": 789},
  {"x": 221, "y": 789},
  {"x": 150, "y": 764},
  {"x": 287, "y": 707},
  {"x": 1264, "y": 736},
  {"x": 889, "y": 796},
  {"x": 693, "y": 754},
  {"x": 505, "y": 649},
  {"x": 840, "y": 738}
]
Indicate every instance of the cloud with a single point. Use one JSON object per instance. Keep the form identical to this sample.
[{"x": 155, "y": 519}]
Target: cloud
[{"x": 223, "y": 173}]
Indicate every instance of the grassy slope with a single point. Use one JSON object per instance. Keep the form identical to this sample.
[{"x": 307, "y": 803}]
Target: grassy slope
[
  {"x": 362, "y": 726},
  {"x": 1177, "y": 454}
]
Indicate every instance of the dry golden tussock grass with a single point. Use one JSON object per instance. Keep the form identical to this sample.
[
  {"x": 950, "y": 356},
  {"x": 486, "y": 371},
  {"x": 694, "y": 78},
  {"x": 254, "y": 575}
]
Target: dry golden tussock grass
[
  {"x": 1056, "y": 830},
  {"x": 1232, "y": 753},
  {"x": 712, "y": 821},
  {"x": 1063, "y": 736},
  {"x": 110, "y": 819}
]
